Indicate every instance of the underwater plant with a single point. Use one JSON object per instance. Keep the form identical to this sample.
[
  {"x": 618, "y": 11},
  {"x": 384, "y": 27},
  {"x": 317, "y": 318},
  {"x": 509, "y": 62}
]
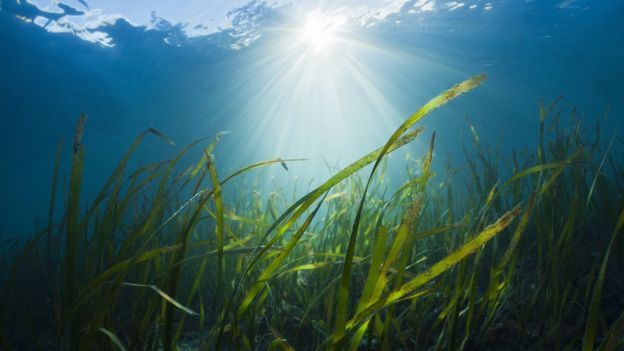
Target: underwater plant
[{"x": 528, "y": 256}]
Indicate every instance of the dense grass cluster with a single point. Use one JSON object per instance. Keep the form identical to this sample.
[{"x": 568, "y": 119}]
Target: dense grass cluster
[{"x": 525, "y": 253}]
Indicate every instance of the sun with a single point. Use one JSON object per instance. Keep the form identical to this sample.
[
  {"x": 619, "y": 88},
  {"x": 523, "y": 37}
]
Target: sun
[{"x": 320, "y": 32}]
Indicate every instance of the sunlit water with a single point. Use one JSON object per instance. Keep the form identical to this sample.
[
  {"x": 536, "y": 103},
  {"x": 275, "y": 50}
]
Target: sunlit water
[{"x": 324, "y": 81}]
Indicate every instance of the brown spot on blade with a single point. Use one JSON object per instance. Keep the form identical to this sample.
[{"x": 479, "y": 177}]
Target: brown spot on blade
[
  {"x": 161, "y": 135},
  {"x": 283, "y": 164}
]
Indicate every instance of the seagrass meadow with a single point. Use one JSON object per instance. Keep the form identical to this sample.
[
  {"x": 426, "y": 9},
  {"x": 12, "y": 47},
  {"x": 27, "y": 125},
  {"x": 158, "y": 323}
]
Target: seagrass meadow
[{"x": 524, "y": 252}]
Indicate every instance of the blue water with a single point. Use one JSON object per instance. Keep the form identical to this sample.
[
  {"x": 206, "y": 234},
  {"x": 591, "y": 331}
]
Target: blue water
[{"x": 280, "y": 95}]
